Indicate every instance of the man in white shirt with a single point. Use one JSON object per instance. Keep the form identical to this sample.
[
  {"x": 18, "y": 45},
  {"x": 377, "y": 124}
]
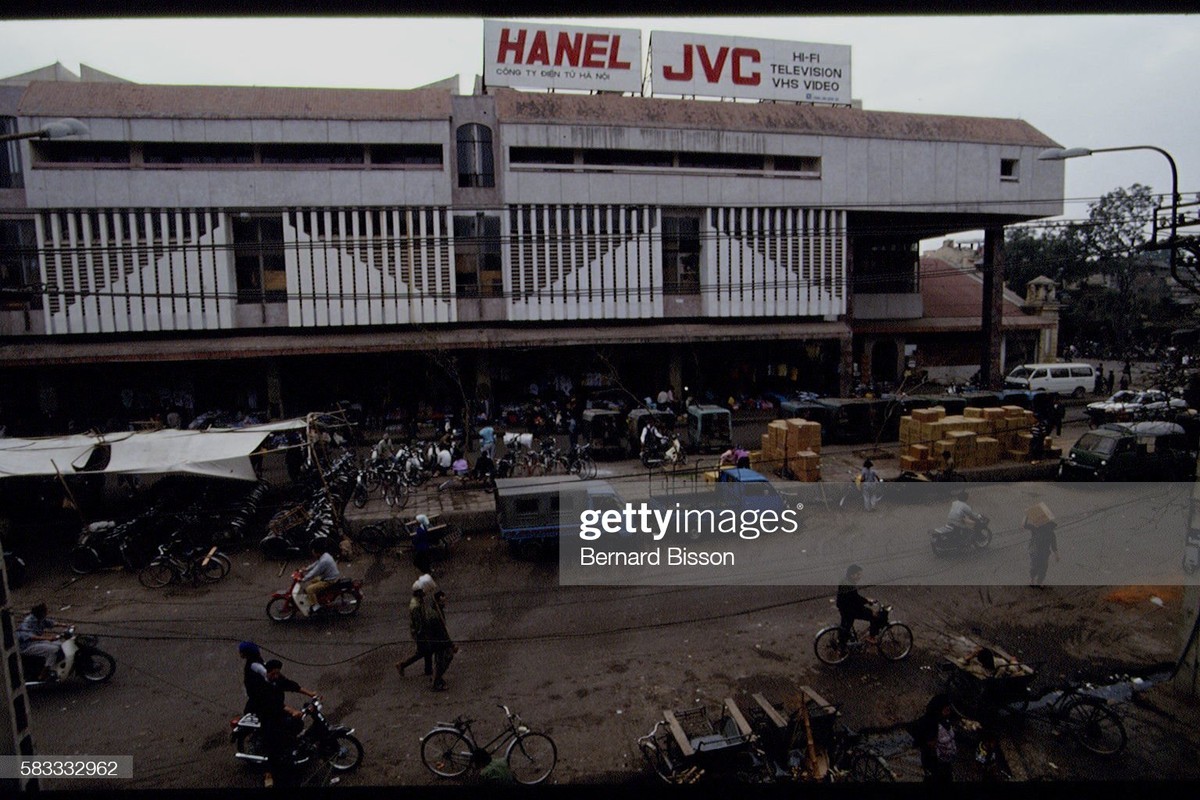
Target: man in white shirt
[
  {"x": 319, "y": 574},
  {"x": 961, "y": 514}
]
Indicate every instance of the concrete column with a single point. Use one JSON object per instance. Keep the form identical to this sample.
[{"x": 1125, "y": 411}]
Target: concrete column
[
  {"x": 274, "y": 390},
  {"x": 993, "y": 307},
  {"x": 846, "y": 382},
  {"x": 675, "y": 371}
]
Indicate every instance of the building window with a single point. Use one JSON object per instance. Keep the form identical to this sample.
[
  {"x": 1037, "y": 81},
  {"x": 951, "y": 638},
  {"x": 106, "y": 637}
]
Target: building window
[
  {"x": 81, "y": 153},
  {"x": 886, "y": 267},
  {"x": 475, "y": 162},
  {"x": 406, "y": 154},
  {"x": 541, "y": 155},
  {"x": 10, "y": 157},
  {"x": 164, "y": 154},
  {"x": 681, "y": 254},
  {"x": 19, "y": 273},
  {"x": 330, "y": 154},
  {"x": 1008, "y": 169},
  {"x": 258, "y": 259},
  {"x": 810, "y": 165},
  {"x": 477, "y": 256}
]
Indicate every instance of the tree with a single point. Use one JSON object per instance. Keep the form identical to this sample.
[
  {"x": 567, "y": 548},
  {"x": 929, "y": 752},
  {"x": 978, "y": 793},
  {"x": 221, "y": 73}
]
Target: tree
[{"x": 1053, "y": 252}]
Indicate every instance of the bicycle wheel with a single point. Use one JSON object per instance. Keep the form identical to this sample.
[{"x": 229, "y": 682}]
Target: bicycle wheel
[
  {"x": 360, "y": 494},
  {"x": 209, "y": 571},
  {"x": 829, "y": 648},
  {"x": 657, "y": 761},
  {"x": 531, "y": 758},
  {"x": 84, "y": 560},
  {"x": 372, "y": 539},
  {"x": 156, "y": 575},
  {"x": 895, "y": 641},
  {"x": 589, "y": 469},
  {"x": 446, "y": 752},
  {"x": 1096, "y": 726},
  {"x": 870, "y": 768}
]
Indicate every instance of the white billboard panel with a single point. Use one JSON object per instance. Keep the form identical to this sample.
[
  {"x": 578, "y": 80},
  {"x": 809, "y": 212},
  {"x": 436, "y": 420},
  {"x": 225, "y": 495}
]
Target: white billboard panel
[
  {"x": 562, "y": 56},
  {"x": 764, "y": 69}
]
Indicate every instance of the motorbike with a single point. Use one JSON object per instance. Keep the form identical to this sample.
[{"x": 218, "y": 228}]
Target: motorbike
[
  {"x": 335, "y": 745},
  {"x": 342, "y": 598},
  {"x": 658, "y": 452},
  {"x": 949, "y": 538},
  {"x": 78, "y": 657}
]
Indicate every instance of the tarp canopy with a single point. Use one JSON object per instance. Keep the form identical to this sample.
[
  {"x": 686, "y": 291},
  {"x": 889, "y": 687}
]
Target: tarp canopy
[{"x": 215, "y": 453}]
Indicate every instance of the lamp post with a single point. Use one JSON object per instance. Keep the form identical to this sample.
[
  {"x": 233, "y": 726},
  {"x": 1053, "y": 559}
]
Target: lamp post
[
  {"x": 59, "y": 129},
  {"x": 1062, "y": 154}
]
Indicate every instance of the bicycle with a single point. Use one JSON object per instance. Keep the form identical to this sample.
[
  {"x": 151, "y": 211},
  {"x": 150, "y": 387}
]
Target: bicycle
[
  {"x": 197, "y": 565},
  {"x": 894, "y": 641},
  {"x": 450, "y": 749},
  {"x": 1084, "y": 717}
]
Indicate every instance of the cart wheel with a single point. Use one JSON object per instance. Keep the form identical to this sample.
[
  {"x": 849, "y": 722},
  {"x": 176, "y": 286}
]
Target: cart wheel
[
  {"x": 870, "y": 768},
  {"x": 658, "y": 762}
]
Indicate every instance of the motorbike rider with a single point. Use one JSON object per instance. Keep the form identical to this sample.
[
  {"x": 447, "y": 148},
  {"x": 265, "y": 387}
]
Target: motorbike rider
[
  {"x": 280, "y": 723},
  {"x": 962, "y": 516},
  {"x": 853, "y": 606},
  {"x": 34, "y": 639},
  {"x": 652, "y": 438},
  {"x": 319, "y": 575}
]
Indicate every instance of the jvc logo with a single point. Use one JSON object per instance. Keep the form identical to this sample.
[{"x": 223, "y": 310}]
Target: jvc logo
[{"x": 736, "y": 59}]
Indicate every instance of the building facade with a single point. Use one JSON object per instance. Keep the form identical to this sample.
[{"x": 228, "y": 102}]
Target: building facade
[{"x": 279, "y": 247}]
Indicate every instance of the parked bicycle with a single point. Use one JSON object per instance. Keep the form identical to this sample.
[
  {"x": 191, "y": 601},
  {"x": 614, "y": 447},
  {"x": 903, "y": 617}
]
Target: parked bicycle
[
  {"x": 894, "y": 641},
  {"x": 450, "y": 749},
  {"x": 178, "y": 564}
]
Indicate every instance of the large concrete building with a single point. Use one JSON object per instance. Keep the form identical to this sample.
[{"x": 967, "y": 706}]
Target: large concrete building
[{"x": 281, "y": 248}]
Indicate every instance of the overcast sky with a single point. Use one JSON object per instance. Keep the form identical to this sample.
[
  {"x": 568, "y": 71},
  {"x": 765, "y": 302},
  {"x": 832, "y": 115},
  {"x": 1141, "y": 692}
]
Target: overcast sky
[{"x": 1094, "y": 81}]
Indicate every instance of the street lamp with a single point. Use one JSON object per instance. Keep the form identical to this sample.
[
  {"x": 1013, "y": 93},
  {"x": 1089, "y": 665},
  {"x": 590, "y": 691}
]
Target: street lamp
[
  {"x": 59, "y": 129},
  {"x": 1062, "y": 154}
]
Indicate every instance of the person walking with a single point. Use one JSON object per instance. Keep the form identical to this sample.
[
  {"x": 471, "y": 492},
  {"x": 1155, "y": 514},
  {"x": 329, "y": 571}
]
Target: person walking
[
  {"x": 935, "y": 736},
  {"x": 1042, "y": 542},
  {"x": 421, "y": 544},
  {"x": 438, "y": 638},
  {"x": 1098, "y": 388},
  {"x": 416, "y": 626},
  {"x": 1109, "y": 382},
  {"x": 869, "y": 481}
]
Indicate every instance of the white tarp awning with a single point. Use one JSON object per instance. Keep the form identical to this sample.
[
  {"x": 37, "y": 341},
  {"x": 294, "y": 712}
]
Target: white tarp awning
[{"x": 216, "y": 452}]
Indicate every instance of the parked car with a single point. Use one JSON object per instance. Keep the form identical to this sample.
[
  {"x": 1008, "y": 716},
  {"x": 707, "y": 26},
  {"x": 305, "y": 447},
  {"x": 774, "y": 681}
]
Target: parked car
[
  {"x": 1134, "y": 405},
  {"x": 1140, "y": 451},
  {"x": 1075, "y": 380}
]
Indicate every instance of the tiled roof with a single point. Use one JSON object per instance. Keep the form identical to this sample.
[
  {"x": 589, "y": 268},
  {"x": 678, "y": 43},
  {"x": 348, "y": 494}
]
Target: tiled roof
[
  {"x": 528, "y": 107},
  {"x": 126, "y": 100}
]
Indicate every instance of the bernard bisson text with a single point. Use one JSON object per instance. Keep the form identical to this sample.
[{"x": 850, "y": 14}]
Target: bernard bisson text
[{"x": 659, "y": 556}]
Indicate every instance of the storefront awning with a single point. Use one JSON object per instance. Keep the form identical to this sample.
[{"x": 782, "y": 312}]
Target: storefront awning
[{"x": 215, "y": 453}]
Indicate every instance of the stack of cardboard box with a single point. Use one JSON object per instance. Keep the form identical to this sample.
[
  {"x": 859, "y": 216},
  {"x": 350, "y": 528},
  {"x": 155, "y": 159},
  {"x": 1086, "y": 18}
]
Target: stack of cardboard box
[
  {"x": 796, "y": 444},
  {"x": 978, "y": 437}
]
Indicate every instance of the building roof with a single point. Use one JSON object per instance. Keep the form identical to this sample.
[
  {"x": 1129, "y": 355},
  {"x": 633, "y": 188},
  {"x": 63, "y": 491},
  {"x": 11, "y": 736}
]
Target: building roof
[
  {"x": 536, "y": 108},
  {"x": 952, "y": 298},
  {"x": 136, "y": 100}
]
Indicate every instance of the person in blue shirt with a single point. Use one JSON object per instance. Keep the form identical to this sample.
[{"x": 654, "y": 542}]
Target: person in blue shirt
[{"x": 487, "y": 441}]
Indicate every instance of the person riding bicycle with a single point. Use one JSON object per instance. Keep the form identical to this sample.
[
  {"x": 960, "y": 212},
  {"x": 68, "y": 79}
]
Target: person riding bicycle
[
  {"x": 853, "y": 606},
  {"x": 962, "y": 516},
  {"x": 319, "y": 575}
]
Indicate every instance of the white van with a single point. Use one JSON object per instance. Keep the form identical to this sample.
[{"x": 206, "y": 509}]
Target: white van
[{"x": 1073, "y": 379}]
